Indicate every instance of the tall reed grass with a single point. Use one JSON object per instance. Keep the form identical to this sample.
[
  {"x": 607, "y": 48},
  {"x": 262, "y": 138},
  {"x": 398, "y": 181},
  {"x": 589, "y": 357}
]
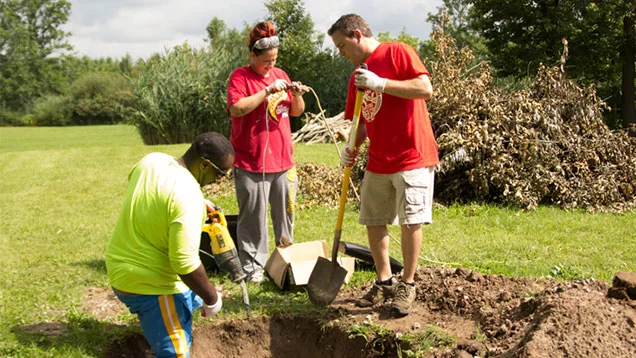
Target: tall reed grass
[{"x": 181, "y": 93}]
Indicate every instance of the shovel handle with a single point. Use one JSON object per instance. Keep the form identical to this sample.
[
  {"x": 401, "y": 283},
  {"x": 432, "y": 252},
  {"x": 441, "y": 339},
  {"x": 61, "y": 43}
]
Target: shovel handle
[{"x": 347, "y": 171}]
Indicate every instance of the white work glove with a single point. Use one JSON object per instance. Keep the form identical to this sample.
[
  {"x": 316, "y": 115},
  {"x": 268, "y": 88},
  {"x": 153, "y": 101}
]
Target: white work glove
[
  {"x": 347, "y": 158},
  {"x": 209, "y": 206},
  {"x": 278, "y": 85},
  {"x": 215, "y": 213},
  {"x": 368, "y": 79},
  {"x": 212, "y": 310},
  {"x": 298, "y": 89}
]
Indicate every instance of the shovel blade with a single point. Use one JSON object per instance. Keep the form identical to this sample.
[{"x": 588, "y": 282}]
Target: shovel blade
[{"x": 325, "y": 281}]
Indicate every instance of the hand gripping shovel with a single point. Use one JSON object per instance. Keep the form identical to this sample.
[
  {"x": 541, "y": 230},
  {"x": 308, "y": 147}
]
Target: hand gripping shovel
[{"x": 328, "y": 276}]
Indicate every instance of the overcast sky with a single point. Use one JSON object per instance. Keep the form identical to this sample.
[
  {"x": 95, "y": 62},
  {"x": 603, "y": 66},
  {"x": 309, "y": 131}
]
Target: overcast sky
[{"x": 114, "y": 28}]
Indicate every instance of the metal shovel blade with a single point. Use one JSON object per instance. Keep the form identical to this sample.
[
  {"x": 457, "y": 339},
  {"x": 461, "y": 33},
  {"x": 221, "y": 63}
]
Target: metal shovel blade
[
  {"x": 328, "y": 276},
  {"x": 325, "y": 282}
]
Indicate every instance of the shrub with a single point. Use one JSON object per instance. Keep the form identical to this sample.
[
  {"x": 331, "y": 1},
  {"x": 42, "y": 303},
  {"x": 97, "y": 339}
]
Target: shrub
[
  {"x": 52, "y": 110},
  {"x": 98, "y": 98},
  {"x": 12, "y": 119},
  {"x": 181, "y": 94}
]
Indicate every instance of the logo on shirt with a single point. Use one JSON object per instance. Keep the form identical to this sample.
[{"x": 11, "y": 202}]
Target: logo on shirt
[
  {"x": 275, "y": 108},
  {"x": 371, "y": 103}
]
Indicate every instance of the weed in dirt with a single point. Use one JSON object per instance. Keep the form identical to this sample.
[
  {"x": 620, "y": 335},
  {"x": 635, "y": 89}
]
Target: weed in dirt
[
  {"x": 367, "y": 330},
  {"x": 479, "y": 334},
  {"x": 406, "y": 344},
  {"x": 561, "y": 272},
  {"x": 417, "y": 344},
  {"x": 434, "y": 336}
]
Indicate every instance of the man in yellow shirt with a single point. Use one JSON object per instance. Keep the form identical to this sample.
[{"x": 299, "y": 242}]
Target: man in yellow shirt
[{"x": 152, "y": 257}]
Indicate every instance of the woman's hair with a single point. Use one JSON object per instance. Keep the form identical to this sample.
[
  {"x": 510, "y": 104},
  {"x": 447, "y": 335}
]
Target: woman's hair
[
  {"x": 347, "y": 24},
  {"x": 259, "y": 31}
]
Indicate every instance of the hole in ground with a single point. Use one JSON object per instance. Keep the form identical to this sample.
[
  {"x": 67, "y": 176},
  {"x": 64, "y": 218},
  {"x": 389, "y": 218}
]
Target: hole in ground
[
  {"x": 292, "y": 336},
  {"x": 457, "y": 311}
]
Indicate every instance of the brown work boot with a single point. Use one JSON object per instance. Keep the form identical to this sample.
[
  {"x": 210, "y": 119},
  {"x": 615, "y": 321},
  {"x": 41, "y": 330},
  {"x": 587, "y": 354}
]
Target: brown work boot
[
  {"x": 377, "y": 293},
  {"x": 403, "y": 298}
]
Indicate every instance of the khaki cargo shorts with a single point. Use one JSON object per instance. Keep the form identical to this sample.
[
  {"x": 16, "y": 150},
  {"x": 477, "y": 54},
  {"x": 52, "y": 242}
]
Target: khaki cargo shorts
[{"x": 404, "y": 198}]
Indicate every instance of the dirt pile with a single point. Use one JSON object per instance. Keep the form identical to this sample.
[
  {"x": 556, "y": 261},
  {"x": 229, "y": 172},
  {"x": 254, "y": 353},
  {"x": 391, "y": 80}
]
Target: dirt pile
[{"x": 458, "y": 313}]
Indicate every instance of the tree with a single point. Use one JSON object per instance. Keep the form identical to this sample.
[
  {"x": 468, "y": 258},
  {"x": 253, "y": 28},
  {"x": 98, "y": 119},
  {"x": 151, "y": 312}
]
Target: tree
[
  {"x": 99, "y": 97},
  {"x": 453, "y": 18},
  {"x": 302, "y": 57},
  {"x": 628, "y": 54},
  {"x": 232, "y": 40},
  {"x": 426, "y": 49},
  {"x": 215, "y": 30},
  {"x": 299, "y": 41},
  {"x": 523, "y": 34},
  {"x": 402, "y": 37},
  {"x": 30, "y": 33}
]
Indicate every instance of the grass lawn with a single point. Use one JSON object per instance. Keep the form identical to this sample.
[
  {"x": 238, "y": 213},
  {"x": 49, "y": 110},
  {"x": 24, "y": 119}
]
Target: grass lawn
[{"x": 61, "y": 192}]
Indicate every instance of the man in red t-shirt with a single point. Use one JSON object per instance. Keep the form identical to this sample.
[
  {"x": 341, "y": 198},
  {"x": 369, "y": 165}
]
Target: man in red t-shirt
[{"x": 398, "y": 182}]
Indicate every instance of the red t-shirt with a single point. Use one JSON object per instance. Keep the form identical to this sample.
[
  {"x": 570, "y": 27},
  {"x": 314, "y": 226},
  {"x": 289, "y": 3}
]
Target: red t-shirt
[
  {"x": 257, "y": 138},
  {"x": 399, "y": 130}
]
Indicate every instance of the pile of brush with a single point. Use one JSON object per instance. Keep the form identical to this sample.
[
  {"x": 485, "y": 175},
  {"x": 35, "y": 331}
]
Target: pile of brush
[{"x": 544, "y": 145}]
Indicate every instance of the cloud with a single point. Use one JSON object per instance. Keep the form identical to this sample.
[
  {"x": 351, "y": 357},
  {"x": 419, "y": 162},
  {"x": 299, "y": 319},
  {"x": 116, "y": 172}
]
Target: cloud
[
  {"x": 383, "y": 16},
  {"x": 142, "y": 27}
]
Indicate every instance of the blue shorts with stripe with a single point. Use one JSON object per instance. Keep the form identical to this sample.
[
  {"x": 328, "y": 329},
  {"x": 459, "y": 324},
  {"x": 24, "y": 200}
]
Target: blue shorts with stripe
[{"x": 165, "y": 319}]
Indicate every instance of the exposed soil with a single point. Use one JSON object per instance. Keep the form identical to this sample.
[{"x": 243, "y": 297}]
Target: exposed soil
[{"x": 485, "y": 315}]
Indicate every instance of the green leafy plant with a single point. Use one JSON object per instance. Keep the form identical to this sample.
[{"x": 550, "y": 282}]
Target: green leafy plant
[
  {"x": 98, "y": 98},
  {"x": 564, "y": 272},
  {"x": 421, "y": 342},
  {"x": 368, "y": 330},
  {"x": 52, "y": 111}
]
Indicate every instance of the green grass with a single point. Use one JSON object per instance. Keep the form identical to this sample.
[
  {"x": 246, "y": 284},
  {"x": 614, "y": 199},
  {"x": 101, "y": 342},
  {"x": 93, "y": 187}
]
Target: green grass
[
  {"x": 317, "y": 153},
  {"x": 61, "y": 189},
  {"x": 20, "y": 139}
]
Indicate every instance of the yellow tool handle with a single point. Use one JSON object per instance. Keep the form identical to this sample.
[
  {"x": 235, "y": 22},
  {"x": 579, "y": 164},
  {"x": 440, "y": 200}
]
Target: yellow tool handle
[
  {"x": 351, "y": 145},
  {"x": 347, "y": 172},
  {"x": 220, "y": 239}
]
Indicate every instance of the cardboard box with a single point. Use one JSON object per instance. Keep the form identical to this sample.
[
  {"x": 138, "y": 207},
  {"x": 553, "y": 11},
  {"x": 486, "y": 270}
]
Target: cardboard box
[{"x": 290, "y": 267}]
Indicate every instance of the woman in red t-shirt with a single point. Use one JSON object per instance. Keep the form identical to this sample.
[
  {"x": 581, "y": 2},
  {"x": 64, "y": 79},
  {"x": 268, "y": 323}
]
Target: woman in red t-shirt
[{"x": 260, "y": 99}]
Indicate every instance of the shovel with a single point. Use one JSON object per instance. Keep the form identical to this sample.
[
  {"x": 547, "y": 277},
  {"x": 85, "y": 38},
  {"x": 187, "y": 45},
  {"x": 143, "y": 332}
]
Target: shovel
[{"x": 328, "y": 276}]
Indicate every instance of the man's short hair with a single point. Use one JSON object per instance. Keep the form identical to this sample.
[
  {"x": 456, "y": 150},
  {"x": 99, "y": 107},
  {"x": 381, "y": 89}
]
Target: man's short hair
[
  {"x": 212, "y": 146},
  {"x": 347, "y": 24}
]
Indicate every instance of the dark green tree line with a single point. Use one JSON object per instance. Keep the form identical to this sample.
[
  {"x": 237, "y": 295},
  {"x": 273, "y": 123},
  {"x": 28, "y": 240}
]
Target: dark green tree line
[
  {"x": 513, "y": 36},
  {"x": 520, "y": 35}
]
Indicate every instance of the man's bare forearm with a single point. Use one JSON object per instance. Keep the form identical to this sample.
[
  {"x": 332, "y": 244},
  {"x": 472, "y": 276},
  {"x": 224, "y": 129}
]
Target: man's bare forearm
[{"x": 198, "y": 282}]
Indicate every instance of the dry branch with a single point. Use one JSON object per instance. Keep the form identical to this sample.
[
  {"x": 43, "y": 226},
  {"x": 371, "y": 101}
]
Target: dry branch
[{"x": 316, "y": 131}]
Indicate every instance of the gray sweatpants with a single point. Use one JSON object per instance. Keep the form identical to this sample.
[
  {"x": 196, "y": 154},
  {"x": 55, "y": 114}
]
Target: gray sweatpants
[{"x": 253, "y": 192}]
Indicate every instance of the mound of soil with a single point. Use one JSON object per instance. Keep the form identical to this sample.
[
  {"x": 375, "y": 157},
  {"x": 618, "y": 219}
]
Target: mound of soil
[{"x": 485, "y": 315}]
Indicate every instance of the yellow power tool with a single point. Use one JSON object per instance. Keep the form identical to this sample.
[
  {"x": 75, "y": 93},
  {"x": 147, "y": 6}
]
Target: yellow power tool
[{"x": 223, "y": 249}]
